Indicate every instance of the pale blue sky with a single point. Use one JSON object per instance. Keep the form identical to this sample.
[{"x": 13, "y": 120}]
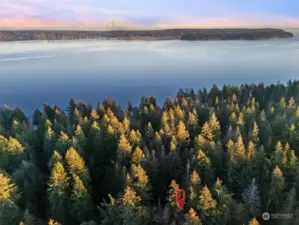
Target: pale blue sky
[{"x": 153, "y": 12}]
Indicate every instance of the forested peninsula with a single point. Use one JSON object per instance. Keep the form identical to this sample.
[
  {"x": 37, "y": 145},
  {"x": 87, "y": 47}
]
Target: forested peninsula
[
  {"x": 169, "y": 34},
  {"x": 233, "y": 150}
]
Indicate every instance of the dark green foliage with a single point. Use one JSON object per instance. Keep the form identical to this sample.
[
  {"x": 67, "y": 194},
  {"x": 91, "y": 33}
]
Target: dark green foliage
[
  {"x": 10, "y": 213},
  {"x": 234, "y": 151}
]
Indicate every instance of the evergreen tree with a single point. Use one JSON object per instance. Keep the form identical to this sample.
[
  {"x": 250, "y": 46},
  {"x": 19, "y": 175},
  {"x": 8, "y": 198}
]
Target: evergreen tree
[
  {"x": 11, "y": 153},
  {"x": 195, "y": 187},
  {"x": 94, "y": 115},
  {"x": 29, "y": 219},
  {"x": 10, "y": 213},
  {"x": 276, "y": 187},
  {"x": 174, "y": 187},
  {"x": 58, "y": 193},
  {"x": 191, "y": 218},
  {"x": 193, "y": 126},
  {"x": 110, "y": 212},
  {"x": 49, "y": 141},
  {"x": 31, "y": 183},
  {"x": 203, "y": 160},
  {"x": 124, "y": 150},
  {"x": 252, "y": 199},
  {"x": 214, "y": 123},
  {"x": 130, "y": 197},
  {"x": 241, "y": 120},
  {"x": 250, "y": 150},
  {"x": 149, "y": 133},
  {"x": 179, "y": 114},
  {"x": 62, "y": 143},
  {"x": 134, "y": 138},
  {"x": 182, "y": 133},
  {"x": 253, "y": 222},
  {"x": 56, "y": 157},
  {"x": 278, "y": 153},
  {"x": 238, "y": 153},
  {"x": 207, "y": 203},
  {"x": 233, "y": 118},
  {"x": 224, "y": 200},
  {"x": 131, "y": 212},
  {"x": 53, "y": 222},
  {"x": 126, "y": 125},
  {"x": 282, "y": 103},
  {"x": 291, "y": 102},
  {"x": 288, "y": 207},
  {"x": 139, "y": 181},
  {"x": 138, "y": 156},
  {"x": 76, "y": 165},
  {"x": 81, "y": 205},
  {"x": 79, "y": 141},
  {"x": 262, "y": 116},
  {"x": 173, "y": 144},
  {"x": 207, "y": 132},
  {"x": 255, "y": 133}
]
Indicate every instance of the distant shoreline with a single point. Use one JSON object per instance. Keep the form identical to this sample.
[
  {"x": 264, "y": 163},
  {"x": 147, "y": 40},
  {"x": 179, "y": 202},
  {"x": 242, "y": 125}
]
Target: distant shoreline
[{"x": 155, "y": 35}]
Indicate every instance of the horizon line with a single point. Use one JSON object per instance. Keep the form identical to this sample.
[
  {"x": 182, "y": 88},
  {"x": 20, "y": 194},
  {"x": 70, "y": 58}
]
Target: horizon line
[{"x": 102, "y": 28}]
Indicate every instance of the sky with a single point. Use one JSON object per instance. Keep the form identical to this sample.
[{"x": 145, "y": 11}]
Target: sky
[{"x": 95, "y": 14}]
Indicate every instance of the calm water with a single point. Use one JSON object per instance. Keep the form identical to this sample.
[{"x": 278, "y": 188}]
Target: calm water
[{"x": 35, "y": 72}]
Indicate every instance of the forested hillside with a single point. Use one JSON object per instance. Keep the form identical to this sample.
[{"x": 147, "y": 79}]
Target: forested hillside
[
  {"x": 168, "y": 34},
  {"x": 234, "y": 151}
]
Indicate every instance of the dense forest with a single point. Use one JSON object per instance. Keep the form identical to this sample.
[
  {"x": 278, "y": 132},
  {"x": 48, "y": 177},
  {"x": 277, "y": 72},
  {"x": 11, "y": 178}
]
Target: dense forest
[
  {"x": 168, "y": 34},
  {"x": 233, "y": 150}
]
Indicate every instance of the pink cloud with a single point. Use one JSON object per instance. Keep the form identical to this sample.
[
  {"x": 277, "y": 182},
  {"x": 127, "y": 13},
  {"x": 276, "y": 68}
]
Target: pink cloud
[
  {"x": 16, "y": 14},
  {"x": 30, "y": 22},
  {"x": 175, "y": 21}
]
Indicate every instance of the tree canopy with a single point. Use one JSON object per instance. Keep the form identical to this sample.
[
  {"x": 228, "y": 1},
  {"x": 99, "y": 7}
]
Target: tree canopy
[{"x": 233, "y": 150}]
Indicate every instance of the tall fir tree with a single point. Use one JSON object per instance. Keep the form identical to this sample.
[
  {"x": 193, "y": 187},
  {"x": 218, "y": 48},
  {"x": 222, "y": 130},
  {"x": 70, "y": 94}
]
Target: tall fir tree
[
  {"x": 124, "y": 150},
  {"x": 10, "y": 213},
  {"x": 81, "y": 201},
  {"x": 191, "y": 218},
  {"x": 58, "y": 191},
  {"x": 207, "y": 203},
  {"x": 76, "y": 165}
]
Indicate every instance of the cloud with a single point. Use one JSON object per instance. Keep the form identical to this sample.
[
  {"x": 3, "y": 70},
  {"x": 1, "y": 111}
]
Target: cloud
[
  {"x": 88, "y": 9},
  {"x": 30, "y": 22},
  {"x": 14, "y": 9},
  {"x": 228, "y": 21},
  {"x": 154, "y": 14},
  {"x": 150, "y": 22}
]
